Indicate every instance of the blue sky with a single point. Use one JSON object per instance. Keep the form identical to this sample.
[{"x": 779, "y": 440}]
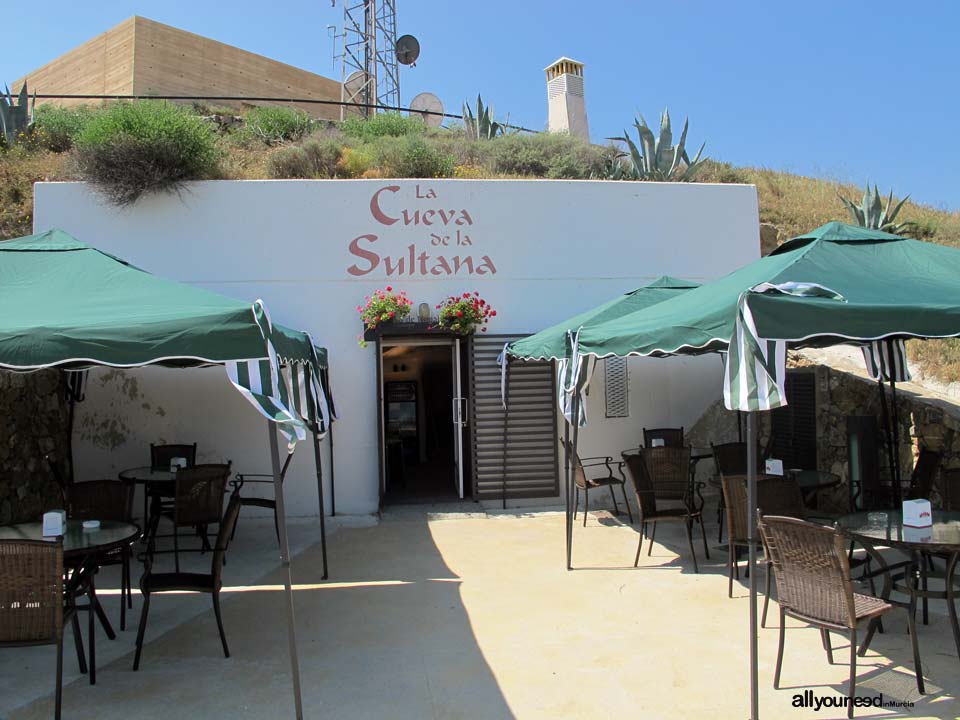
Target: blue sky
[{"x": 843, "y": 90}]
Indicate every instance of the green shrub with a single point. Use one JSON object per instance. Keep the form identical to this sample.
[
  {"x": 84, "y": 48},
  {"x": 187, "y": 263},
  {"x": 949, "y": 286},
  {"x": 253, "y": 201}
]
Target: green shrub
[
  {"x": 412, "y": 156},
  {"x": 276, "y": 125},
  {"x": 553, "y": 155},
  {"x": 128, "y": 149},
  {"x": 315, "y": 158},
  {"x": 386, "y": 124},
  {"x": 56, "y": 128}
]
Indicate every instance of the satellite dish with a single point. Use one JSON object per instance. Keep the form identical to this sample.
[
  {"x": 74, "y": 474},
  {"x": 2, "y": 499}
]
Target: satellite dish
[
  {"x": 353, "y": 92},
  {"x": 408, "y": 50},
  {"x": 428, "y": 106}
]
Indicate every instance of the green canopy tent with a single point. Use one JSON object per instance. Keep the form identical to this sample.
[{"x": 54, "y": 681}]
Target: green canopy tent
[
  {"x": 838, "y": 284},
  {"x": 72, "y": 307},
  {"x": 551, "y": 344}
]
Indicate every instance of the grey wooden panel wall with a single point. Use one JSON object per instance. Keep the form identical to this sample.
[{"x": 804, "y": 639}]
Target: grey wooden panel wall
[{"x": 514, "y": 453}]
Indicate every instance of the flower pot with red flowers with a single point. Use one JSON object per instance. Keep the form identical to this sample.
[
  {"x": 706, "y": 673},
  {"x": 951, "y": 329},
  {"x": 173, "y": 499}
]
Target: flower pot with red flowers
[
  {"x": 383, "y": 307},
  {"x": 465, "y": 314}
]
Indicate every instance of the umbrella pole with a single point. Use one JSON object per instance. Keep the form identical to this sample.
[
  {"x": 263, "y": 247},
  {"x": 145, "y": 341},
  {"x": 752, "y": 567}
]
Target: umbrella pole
[
  {"x": 895, "y": 420},
  {"x": 887, "y": 433},
  {"x": 323, "y": 522},
  {"x": 752, "y": 532},
  {"x": 285, "y": 562},
  {"x": 506, "y": 430},
  {"x": 575, "y": 414},
  {"x": 333, "y": 485}
]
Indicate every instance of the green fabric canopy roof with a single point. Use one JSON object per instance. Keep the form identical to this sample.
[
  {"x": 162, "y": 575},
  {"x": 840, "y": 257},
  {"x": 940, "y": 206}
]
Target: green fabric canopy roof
[
  {"x": 71, "y": 306},
  {"x": 837, "y": 284},
  {"x": 550, "y": 344}
]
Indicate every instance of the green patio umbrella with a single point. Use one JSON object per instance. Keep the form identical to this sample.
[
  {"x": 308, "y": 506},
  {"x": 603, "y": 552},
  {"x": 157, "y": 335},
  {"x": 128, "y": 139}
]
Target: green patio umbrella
[
  {"x": 835, "y": 285},
  {"x": 551, "y": 343},
  {"x": 70, "y": 306}
]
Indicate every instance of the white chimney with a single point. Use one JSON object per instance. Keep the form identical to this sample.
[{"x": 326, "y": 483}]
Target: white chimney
[{"x": 567, "y": 109}]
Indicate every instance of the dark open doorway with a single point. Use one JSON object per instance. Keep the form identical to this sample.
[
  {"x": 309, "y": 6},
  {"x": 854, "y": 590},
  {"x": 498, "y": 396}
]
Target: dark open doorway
[{"x": 420, "y": 432}]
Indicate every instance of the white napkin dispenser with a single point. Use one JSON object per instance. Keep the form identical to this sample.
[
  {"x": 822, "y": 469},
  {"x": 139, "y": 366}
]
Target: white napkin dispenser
[
  {"x": 917, "y": 513},
  {"x": 773, "y": 466},
  {"x": 177, "y": 463},
  {"x": 54, "y": 523}
]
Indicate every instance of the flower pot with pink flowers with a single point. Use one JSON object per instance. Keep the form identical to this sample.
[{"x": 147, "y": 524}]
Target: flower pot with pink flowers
[
  {"x": 465, "y": 314},
  {"x": 382, "y": 307}
]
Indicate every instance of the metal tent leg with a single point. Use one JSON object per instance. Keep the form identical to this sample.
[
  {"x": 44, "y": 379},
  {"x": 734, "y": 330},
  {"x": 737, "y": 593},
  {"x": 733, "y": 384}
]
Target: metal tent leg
[
  {"x": 752, "y": 535},
  {"x": 323, "y": 522},
  {"x": 285, "y": 562},
  {"x": 333, "y": 484},
  {"x": 575, "y": 414}
]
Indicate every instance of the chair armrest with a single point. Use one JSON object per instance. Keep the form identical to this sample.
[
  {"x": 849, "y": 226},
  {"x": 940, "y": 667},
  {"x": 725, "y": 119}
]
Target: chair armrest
[{"x": 243, "y": 478}]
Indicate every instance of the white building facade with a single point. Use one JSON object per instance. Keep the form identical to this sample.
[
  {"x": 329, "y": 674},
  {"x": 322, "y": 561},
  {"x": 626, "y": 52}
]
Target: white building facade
[{"x": 536, "y": 250}]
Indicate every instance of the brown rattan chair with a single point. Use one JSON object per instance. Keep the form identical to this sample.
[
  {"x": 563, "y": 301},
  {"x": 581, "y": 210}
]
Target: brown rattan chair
[
  {"x": 781, "y": 494},
  {"x": 161, "y": 493},
  {"x": 152, "y": 583},
  {"x": 107, "y": 500},
  {"x": 728, "y": 459},
  {"x": 198, "y": 503},
  {"x": 661, "y": 475},
  {"x": 582, "y": 482},
  {"x": 671, "y": 437},
  {"x": 813, "y": 585},
  {"x": 32, "y": 601}
]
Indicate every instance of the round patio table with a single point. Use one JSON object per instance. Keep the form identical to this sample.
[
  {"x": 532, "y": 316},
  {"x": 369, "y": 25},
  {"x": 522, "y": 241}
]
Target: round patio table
[
  {"x": 813, "y": 481},
  {"x": 83, "y": 547},
  {"x": 148, "y": 476},
  {"x": 942, "y": 538}
]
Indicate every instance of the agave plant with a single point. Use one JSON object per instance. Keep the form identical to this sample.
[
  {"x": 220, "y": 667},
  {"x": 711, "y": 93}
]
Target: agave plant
[
  {"x": 15, "y": 118},
  {"x": 870, "y": 213},
  {"x": 481, "y": 126},
  {"x": 657, "y": 158}
]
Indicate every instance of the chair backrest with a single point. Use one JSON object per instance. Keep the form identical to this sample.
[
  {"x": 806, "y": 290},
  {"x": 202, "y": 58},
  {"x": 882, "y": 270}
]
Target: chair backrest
[
  {"x": 671, "y": 437},
  {"x": 579, "y": 475},
  {"x": 161, "y": 455},
  {"x": 31, "y": 591},
  {"x": 642, "y": 484},
  {"x": 100, "y": 500},
  {"x": 924, "y": 472},
  {"x": 780, "y": 495},
  {"x": 734, "y": 488},
  {"x": 730, "y": 458},
  {"x": 669, "y": 470},
  {"x": 950, "y": 489},
  {"x": 227, "y": 525},
  {"x": 198, "y": 499},
  {"x": 812, "y": 570}
]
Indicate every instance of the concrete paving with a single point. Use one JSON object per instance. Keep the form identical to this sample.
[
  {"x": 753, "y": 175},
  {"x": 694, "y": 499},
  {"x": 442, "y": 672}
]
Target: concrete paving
[{"x": 472, "y": 615}]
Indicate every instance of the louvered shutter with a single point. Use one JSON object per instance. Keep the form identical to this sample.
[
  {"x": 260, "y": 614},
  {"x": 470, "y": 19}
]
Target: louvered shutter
[
  {"x": 514, "y": 454},
  {"x": 795, "y": 425}
]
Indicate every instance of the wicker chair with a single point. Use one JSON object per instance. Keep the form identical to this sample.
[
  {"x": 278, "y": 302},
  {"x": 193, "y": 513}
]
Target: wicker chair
[
  {"x": 32, "y": 610},
  {"x": 107, "y": 500},
  {"x": 582, "y": 482},
  {"x": 671, "y": 437},
  {"x": 728, "y": 459},
  {"x": 161, "y": 493},
  {"x": 198, "y": 503},
  {"x": 152, "y": 583},
  {"x": 813, "y": 585},
  {"x": 659, "y": 475}
]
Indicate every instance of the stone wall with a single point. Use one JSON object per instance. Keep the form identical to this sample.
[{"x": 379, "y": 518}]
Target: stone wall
[
  {"x": 33, "y": 422},
  {"x": 925, "y": 419}
]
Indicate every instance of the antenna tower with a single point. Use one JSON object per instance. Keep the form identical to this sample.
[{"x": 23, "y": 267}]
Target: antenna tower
[{"x": 369, "y": 55}]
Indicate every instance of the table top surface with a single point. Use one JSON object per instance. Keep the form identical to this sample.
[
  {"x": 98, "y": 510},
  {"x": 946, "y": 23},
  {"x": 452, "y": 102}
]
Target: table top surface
[
  {"x": 147, "y": 474},
  {"x": 887, "y": 528},
  {"x": 76, "y": 540},
  {"x": 806, "y": 479}
]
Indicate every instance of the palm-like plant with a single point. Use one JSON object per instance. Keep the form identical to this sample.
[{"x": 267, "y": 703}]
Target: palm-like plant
[
  {"x": 481, "y": 126},
  {"x": 15, "y": 118},
  {"x": 657, "y": 158},
  {"x": 870, "y": 213}
]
